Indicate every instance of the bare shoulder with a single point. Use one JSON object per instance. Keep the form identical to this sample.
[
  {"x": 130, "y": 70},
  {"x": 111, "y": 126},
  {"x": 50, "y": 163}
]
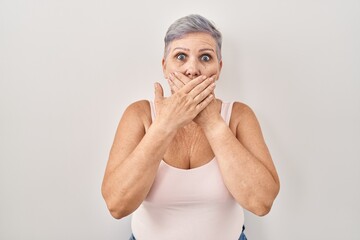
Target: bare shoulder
[
  {"x": 139, "y": 111},
  {"x": 131, "y": 129},
  {"x": 242, "y": 115},
  {"x": 134, "y": 121},
  {"x": 241, "y": 108},
  {"x": 139, "y": 107}
]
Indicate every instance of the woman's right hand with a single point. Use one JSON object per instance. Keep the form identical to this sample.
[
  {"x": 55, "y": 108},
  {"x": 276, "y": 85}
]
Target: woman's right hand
[{"x": 184, "y": 105}]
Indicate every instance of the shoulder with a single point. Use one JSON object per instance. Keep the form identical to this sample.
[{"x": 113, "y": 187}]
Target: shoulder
[
  {"x": 242, "y": 116},
  {"x": 139, "y": 106},
  {"x": 139, "y": 111},
  {"x": 241, "y": 110}
]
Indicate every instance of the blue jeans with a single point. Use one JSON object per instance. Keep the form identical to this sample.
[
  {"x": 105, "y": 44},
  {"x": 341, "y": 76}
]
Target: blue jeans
[{"x": 242, "y": 236}]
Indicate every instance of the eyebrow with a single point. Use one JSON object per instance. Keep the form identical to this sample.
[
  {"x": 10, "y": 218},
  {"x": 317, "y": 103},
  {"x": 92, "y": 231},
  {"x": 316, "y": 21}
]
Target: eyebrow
[
  {"x": 206, "y": 49},
  {"x": 188, "y": 50},
  {"x": 180, "y": 48}
]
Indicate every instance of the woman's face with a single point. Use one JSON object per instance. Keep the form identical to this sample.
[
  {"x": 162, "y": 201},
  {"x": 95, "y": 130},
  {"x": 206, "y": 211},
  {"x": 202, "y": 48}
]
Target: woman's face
[{"x": 193, "y": 55}]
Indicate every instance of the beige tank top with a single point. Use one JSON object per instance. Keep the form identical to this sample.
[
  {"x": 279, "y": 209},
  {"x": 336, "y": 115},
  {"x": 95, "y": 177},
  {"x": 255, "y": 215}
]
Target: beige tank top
[{"x": 186, "y": 204}]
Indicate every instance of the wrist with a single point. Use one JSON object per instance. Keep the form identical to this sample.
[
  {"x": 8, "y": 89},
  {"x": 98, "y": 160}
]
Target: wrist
[
  {"x": 212, "y": 124},
  {"x": 164, "y": 130}
]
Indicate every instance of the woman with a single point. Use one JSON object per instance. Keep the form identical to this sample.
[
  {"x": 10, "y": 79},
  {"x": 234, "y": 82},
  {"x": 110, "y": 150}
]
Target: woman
[{"x": 186, "y": 165}]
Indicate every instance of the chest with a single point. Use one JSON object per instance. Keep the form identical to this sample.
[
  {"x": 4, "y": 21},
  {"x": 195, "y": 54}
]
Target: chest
[{"x": 189, "y": 149}]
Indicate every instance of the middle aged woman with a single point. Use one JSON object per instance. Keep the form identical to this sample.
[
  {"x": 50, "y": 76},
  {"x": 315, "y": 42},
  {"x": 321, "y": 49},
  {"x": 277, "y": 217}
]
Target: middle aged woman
[{"x": 186, "y": 165}]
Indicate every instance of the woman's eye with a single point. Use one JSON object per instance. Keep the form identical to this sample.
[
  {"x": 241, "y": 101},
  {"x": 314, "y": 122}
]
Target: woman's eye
[
  {"x": 205, "y": 58},
  {"x": 181, "y": 56}
]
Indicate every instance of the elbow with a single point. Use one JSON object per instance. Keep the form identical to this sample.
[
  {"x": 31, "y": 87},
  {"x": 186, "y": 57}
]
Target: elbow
[
  {"x": 115, "y": 206},
  {"x": 262, "y": 206},
  {"x": 260, "y": 209},
  {"x": 117, "y": 213},
  {"x": 117, "y": 209},
  {"x": 257, "y": 207}
]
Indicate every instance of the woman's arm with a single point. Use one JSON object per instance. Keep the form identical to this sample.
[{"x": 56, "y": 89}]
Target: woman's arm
[
  {"x": 133, "y": 161},
  {"x": 245, "y": 162}
]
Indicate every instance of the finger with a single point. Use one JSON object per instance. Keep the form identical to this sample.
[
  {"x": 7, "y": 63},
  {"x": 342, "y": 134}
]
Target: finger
[
  {"x": 214, "y": 77},
  {"x": 204, "y": 93},
  {"x": 202, "y": 105},
  {"x": 180, "y": 77},
  {"x": 173, "y": 88},
  {"x": 159, "y": 92},
  {"x": 189, "y": 86},
  {"x": 175, "y": 83},
  {"x": 201, "y": 87},
  {"x": 185, "y": 80},
  {"x": 195, "y": 86}
]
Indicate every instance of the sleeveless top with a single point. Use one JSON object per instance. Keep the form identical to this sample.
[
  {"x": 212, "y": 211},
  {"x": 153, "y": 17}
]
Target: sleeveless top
[{"x": 186, "y": 204}]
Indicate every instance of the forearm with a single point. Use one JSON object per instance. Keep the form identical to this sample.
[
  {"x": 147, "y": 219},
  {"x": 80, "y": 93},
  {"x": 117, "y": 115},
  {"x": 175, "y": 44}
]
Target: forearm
[
  {"x": 128, "y": 184},
  {"x": 246, "y": 177}
]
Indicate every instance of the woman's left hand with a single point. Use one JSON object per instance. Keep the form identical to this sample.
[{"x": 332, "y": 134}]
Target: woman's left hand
[{"x": 207, "y": 117}]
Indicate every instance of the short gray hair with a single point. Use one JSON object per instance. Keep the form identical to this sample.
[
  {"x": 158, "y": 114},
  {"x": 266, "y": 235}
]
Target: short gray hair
[{"x": 192, "y": 24}]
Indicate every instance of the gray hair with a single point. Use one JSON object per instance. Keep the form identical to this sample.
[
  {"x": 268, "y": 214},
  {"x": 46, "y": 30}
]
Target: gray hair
[{"x": 191, "y": 24}]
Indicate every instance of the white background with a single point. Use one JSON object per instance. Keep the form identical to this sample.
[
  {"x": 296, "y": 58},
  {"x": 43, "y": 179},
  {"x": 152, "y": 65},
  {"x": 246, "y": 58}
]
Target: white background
[{"x": 68, "y": 69}]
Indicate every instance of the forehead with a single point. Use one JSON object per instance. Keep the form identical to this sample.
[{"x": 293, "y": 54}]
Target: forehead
[{"x": 194, "y": 41}]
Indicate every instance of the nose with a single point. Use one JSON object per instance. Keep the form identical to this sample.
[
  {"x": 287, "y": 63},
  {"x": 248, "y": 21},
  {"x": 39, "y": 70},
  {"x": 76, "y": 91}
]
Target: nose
[{"x": 192, "y": 68}]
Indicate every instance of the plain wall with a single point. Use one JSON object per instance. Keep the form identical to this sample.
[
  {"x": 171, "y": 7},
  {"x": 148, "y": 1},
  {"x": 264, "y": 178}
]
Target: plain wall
[{"x": 68, "y": 69}]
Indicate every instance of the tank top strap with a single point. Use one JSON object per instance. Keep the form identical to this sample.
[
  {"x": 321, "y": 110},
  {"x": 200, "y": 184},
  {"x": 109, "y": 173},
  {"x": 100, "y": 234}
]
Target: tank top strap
[
  {"x": 153, "y": 111},
  {"x": 226, "y": 109}
]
